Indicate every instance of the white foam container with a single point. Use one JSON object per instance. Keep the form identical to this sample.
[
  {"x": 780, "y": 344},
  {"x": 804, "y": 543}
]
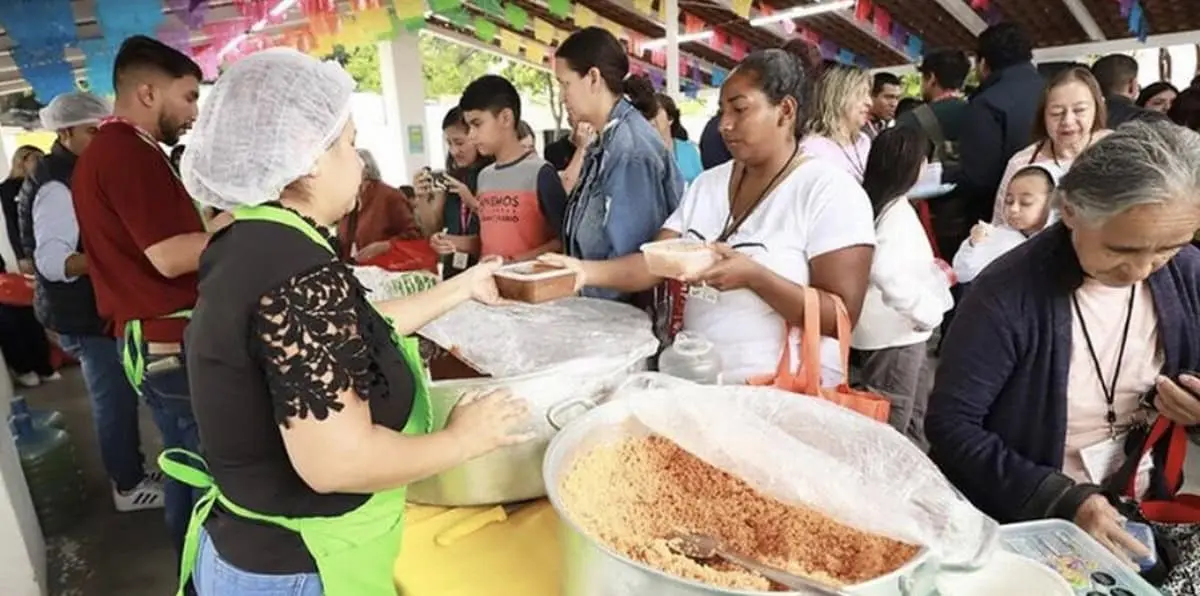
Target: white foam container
[
  {"x": 1007, "y": 573},
  {"x": 678, "y": 258}
]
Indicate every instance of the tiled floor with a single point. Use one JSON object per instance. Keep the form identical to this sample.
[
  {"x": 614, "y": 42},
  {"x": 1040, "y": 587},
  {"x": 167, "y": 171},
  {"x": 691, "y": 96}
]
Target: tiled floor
[{"x": 106, "y": 553}]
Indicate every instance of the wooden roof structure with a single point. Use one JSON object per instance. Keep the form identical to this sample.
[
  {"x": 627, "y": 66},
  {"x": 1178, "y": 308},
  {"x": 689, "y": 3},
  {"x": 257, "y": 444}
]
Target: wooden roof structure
[{"x": 1062, "y": 29}]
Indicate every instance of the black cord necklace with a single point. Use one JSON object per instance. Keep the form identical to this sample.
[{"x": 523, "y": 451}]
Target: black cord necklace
[
  {"x": 1109, "y": 390},
  {"x": 731, "y": 224}
]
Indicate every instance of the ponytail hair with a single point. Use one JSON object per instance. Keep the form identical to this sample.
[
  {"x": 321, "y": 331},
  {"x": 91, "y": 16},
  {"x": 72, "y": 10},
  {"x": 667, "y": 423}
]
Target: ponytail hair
[
  {"x": 640, "y": 91},
  {"x": 593, "y": 47}
]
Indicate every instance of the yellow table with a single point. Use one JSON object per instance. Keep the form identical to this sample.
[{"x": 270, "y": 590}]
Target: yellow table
[{"x": 446, "y": 552}]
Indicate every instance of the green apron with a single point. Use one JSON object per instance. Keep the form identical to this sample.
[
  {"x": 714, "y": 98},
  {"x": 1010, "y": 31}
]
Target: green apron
[
  {"x": 133, "y": 356},
  {"x": 354, "y": 552}
]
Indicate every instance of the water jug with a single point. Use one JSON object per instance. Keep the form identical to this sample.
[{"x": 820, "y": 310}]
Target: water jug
[
  {"x": 55, "y": 480},
  {"x": 693, "y": 358},
  {"x": 41, "y": 418}
]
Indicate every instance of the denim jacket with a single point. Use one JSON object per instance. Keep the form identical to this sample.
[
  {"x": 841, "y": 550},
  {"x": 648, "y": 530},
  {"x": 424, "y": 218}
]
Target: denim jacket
[{"x": 627, "y": 188}]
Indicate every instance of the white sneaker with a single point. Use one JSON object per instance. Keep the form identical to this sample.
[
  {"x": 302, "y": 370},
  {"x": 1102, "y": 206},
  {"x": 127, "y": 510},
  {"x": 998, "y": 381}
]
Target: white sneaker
[
  {"x": 29, "y": 379},
  {"x": 155, "y": 476},
  {"x": 54, "y": 376},
  {"x": 146, "y": 495}
]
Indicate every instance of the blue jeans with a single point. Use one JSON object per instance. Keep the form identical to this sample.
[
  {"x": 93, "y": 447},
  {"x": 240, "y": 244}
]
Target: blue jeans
[
  {"x": 114, "y": 406},
  {"x": 214, "y": 577},
  {"x": 165, "y": 388}
]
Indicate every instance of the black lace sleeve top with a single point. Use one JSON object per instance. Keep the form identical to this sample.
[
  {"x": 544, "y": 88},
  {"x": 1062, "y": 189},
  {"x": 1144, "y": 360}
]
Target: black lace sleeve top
[{"x": 281, "y": 332}]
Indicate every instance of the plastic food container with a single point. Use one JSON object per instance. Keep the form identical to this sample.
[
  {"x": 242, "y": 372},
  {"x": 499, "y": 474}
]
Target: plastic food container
[
  {"x": 678, "y": 258},
  {"x": 534, "y": 282}
]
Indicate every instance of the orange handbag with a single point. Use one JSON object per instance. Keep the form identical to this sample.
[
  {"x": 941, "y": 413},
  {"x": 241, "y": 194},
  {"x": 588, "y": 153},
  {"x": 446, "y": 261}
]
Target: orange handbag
[{"x": 807, "y": 378}]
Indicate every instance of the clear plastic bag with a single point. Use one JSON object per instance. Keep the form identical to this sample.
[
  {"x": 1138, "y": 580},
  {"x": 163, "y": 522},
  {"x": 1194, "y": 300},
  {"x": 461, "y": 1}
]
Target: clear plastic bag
[
  {"x": 514, "y": 339},
  {"x": 814, "y": 453}
]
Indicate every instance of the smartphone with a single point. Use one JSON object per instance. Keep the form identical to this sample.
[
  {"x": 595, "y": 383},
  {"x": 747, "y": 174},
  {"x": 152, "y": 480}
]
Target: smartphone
[
  {"x": 1144, "y": 534},
  {"x": 439, "y": 180}
]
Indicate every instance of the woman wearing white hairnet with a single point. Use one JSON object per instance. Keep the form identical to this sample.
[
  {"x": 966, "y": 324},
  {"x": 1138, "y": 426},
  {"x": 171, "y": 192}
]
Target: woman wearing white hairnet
[{"x": 313, "y": 412}]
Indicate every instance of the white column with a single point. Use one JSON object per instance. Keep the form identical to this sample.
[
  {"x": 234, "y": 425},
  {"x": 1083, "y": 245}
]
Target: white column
[
  {"x": 404, "y": 108},
  {"x": 22, "y": 549},
  {"x": 672, "y": 26},
  {"x": 6, "y": 251}
]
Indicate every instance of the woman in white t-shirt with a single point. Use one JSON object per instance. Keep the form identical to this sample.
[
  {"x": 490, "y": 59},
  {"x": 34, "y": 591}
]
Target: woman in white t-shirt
[
  {"x": 803, "y": 222},
  {"x": 841, "y": 108}
]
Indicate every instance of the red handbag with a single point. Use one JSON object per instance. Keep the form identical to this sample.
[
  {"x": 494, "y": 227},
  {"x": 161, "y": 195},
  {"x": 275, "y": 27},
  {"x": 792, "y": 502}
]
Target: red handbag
[
  {"x": 406, "y": 255},
  {"x": 806, "y": 379},
  {"x": 16, "y": 290}
]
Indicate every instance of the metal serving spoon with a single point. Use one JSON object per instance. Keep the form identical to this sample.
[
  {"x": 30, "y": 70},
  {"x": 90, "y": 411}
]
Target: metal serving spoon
[{"x": 702, "y": 547}]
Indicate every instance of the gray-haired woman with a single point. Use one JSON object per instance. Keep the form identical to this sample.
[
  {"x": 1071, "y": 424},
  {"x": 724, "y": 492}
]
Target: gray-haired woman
[
  {"x": 1076, "y": 340},
  {"x": 383, "y": 213}
]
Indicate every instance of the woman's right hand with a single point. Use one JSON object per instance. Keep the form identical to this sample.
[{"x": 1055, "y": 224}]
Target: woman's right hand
[
  {"x": 565, "y": 262},
  {"x": 1098, "y": 517},
  {"x": 442, "y": 244},
  {"x": 487, "y": 420}
]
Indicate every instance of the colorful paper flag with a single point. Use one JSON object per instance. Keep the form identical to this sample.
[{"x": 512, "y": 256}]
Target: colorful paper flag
[
  {"x": 692, "y": 24},
  {"x": 862, "y": 11},
  {"x": 718, "y": 40},
  {"x": 543, "y": 31},
  {"x": 584, "y": 16},
  {"x": 517, "y": 17},
  {"x": 645, "y": 7},
  {"x": 535, "y": 53},
  {"x": 718, "y": 76},
  {"x": 409, "y": 9},
  {"x": 915, "y": 47},
  {"x": 741, "y": 8},
  {"x": 737, "y": 49},
  {"x": 617, "y": 30},
  {"x": 883, "y": 22},
  {"x": 845, "y": 56},
  {"x": 560, "y": 8},
  {"x": 510, "y": 42},
  {"x": 485, "y": 30}
]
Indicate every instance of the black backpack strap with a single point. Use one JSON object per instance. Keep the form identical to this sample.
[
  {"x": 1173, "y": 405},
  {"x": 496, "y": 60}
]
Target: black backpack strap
[{"x": 933, "y": 129}]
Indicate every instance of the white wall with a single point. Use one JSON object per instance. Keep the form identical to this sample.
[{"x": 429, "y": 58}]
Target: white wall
[{"x": 1183, "y": 65}]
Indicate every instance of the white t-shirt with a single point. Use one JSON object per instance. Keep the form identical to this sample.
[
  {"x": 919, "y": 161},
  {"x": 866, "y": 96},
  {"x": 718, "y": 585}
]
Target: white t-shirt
[{"x": 816, "y": 209}]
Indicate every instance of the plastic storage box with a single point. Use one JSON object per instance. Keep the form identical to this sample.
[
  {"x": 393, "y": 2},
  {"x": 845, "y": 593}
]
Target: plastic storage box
[
  {"x": 534, "y": 282},
  {"x": 678, "y": 258},
  {"x": 1077, "y": 557}
]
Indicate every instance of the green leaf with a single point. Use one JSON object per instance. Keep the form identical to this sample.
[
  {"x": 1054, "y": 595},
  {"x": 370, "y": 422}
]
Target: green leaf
[{"x": 517, "y": 17}]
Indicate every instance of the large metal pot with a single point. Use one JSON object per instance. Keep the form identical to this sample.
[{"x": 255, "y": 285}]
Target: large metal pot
[
  {"x": 513, "y": 474},
  {"x": 592, "y": 569}
]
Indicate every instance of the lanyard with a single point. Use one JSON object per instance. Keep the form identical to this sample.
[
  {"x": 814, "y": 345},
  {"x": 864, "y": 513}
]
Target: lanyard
[
  {"x": 854, "y": 157},
  {"x": 1110, "y": 390},
  {"x": 733, "y": 224}
]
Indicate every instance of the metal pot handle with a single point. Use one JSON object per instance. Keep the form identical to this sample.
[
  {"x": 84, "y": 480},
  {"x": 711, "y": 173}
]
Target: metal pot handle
[{"x": 554, "y": 413}]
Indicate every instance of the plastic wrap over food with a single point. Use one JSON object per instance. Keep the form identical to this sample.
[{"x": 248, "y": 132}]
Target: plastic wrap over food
[
  {"x": 385, "y": 285},
  {"x": 514, "y": 339},
  {"x": 804, "y": 450}
]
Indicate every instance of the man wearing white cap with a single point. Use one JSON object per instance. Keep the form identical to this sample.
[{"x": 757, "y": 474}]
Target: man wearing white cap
[{"x": 65, "y": 301}]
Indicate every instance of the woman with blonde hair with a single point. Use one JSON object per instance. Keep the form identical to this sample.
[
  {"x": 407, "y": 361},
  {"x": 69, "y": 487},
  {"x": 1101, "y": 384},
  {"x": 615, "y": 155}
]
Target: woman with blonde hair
[
  {"x": 24, "y": 159},
  {"x": 841, "y": 108},
  {"x": 1072, "y": 116}
]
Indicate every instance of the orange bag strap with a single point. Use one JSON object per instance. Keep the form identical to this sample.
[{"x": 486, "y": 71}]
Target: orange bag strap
[
  {"x": 844, "y": 331},
  {"x": 809, "y": 363}
]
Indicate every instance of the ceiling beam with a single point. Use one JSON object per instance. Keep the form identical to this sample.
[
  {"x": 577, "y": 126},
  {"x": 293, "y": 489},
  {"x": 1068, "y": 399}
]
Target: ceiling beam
[
  {"x": 965, "y": 15},
  {"x": 1085, "y": 20},
  {"x": 1128, "y": 44},
  {"x": 848, "y": 17}
]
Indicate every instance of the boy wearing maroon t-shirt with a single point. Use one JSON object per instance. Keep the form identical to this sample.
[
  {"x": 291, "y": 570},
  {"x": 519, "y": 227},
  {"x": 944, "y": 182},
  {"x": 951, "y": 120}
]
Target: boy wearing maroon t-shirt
[{"x": 143, "y": 237}]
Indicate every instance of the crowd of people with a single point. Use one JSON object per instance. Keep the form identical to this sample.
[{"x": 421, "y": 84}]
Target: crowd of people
[{"x": 216, "y": 284}]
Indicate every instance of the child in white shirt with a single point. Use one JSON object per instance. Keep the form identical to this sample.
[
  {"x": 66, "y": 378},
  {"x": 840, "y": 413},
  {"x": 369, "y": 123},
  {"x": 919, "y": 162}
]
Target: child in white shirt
[
  {"x": 907, "y": 294},
  {"x": 1026, "y": 211}
]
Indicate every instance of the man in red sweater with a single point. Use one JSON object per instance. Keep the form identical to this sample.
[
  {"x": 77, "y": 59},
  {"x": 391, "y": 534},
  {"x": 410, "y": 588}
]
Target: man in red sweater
[{"x": 143, "y": 238}]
